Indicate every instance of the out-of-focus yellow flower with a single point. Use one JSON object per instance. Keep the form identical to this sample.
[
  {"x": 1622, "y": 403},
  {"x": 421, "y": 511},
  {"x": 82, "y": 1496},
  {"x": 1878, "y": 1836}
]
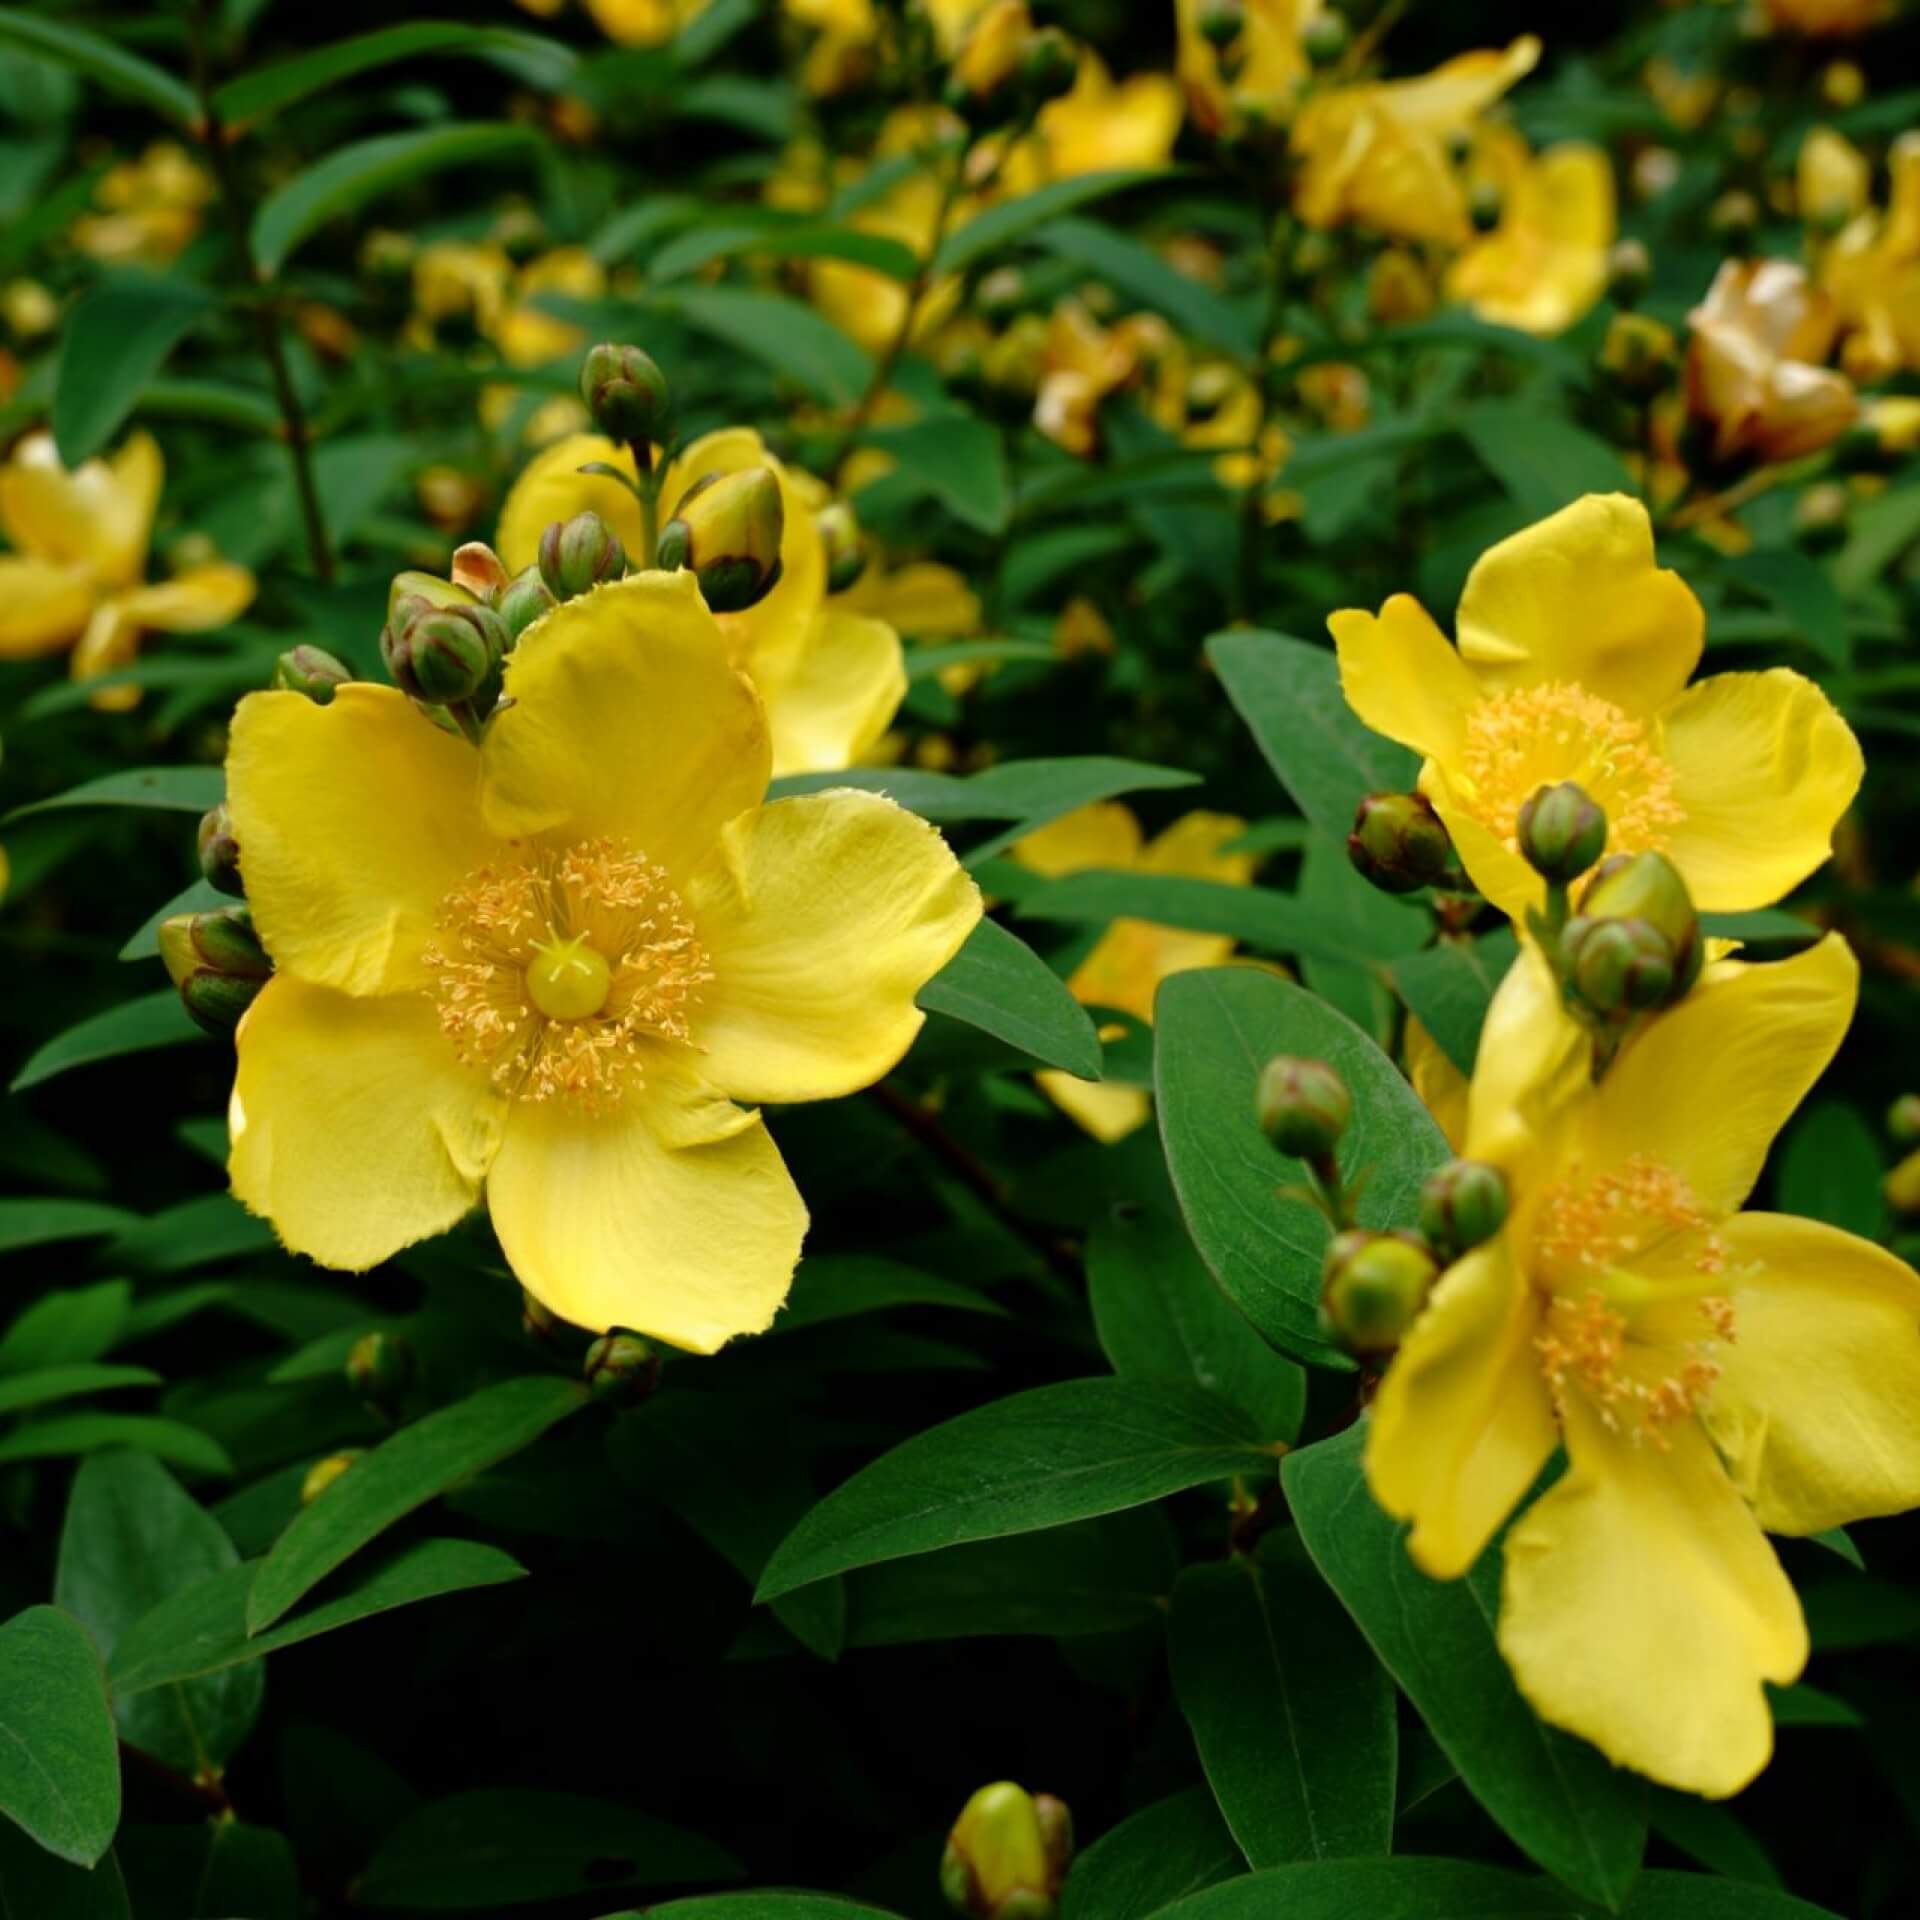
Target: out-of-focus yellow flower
[
  {"x": 1820, "y": 19},
  {"x": 459, "y": 280},
  {"x": 1903, "y": 1185},
  {"x": 1339, "y": 392},
  {"x": 149, "y": 209},
  {"x": 1082, "y": 629},
  {"x": 1753, "y": 363},
  {"x": 450, "y": 496},
  {"x": 1084, "y": 362},
  {"x": 552, "y": 969},
  {"x": 641, "y": 23},
  {"x": 76, "y": 575},
  {"x": 1125, "y": 968},
  {"x": 1267, "y": 64},
  {"x": 1441, "y": 1085},
  {"x": 1872, "y": 272},
  {"x": 1894, "y": 421},
  {"x": 1690, "y": 1358},
  {"x": 1102, "y": 124},
  {"x": 992, "y": 48},
  {"x": 922, "y": 600},
  {"x": 1830, "y": 178},
  {"x": 1574, "y": 654},
  {"x": 1399, "y": 288},
  {"x": 1686, "y": 95},
  {"x": 831, "y": 678},
  {"x": 1377, "y": 155},
  {"x": 526, "y": 334},
  {"x": 28, "y": 309},
  {"x": 1545, "y": 264}
]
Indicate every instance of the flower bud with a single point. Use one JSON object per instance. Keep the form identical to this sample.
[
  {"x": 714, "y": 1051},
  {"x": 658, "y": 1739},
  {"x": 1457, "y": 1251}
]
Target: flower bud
[
  {"x": 1820, "y": 514},
  {"x": 413, "y": 593},
  {"x": 1639, "y": 355},
  {"x": 579, "y": 554},
  {"x": 312, "y": 671},
  {"x": 1399, "y": 843},
  {"x": 216, "y": 962},
  {"x": 1326, "y": 38},
  {"x": 525, "y": 598},
  {"x": 1561, "y": 832},
  {"x": 1647, "y": 887},
  {"x": 627, "y": 395},
  {"x": 846, "y": 551},
  {"x": 219, "y": 851},
  {"x": 324, "y": 1472},
  {"x": 445, "y": 655},
  {"x": 728, "y": 528},
  {"x": 1373, "y": 1286},
  {"x": 1303, "y": 1106},
  {"x": 1049, "y": 66},
  {"x": 479, "y": 571},
  {"x": 1734, "y": 215},
  {"x": 1903, "y": 1119},
  {"x": 1399, "y": 288},
  {"x": 621, "y": 1368},
  {"x": 1902, "y": 1185},
  {"x": 1831, "y": 179},
  {"x": 380, "y": 1369},
  {"x": 1008, "y": 1854},
  {"x": 1629, "y": 272},
  {"x": 1617, "y": 966},
  {"x": 1221, "y": 22},
  {"x": 1462, "y": 1204}
]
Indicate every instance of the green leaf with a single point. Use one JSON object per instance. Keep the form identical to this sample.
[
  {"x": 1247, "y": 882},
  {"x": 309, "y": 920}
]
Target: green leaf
[
  {"x": 1293, "y": 1716},
  {"x": 1830, "y": 1170},
  {"x": 1449, "y": 987},
  {"x": 958, "y": 459},
  {"x": 927, "y": 661},
  {"x": 1803, "y": 591},
  {"x": 760, "y": 1906},
  {"x": 116, "y": 338},
  {"x": 1136, "y": 269},
  {"x": 67, "y": 1434},
  {"x": 201, "y": 1630},
  {"x": 36, "y": 1886},
  {"x": 1214, "y": 1031},
  {"x": 400, "y": 1475},
  {"x": 1877, "y": 532},
  {"x": 786, "y": 335},
  {"x": 996, "y": 982},
  {"x": 1408, "y": 1889},
  {"x": 255, "y": 95},
  {"x": 1161, "y": 1315},
  {"x": 170, "y": 789},
  {"x": 1289, "y": 695},
  {"x": 1555, "y": 1797},
  {"x": 135, "y": 1026},
  {"x": 144, "y": 942},
  {"x": 836, "y": 1286},
  {"x": 1712, "y": 1835},
  {"x": 505, "y": 1846},
  {"x": 101, "y": 61},
  {"x": 352, "y": 175},
  {"x": 1694, "y": 1896},
  {"x": 1005, "y": 223},
  {"x": 133, "y": 1535},
  {"x": 701, "y": 245},
  {"x": 1541, "y": 458},
  {"x": 60, "y": 1759},
  {"x": 39, "y": 1223},
  {"x": 1032, "y": 1460},
  {"x": 36, "y": 1389},
  {"x": 1152, "y": 1859}
]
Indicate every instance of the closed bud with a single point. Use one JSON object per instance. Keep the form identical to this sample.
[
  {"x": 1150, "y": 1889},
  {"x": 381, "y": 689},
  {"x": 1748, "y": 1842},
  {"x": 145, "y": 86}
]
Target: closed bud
[
  {"x": 846, "y": 551},
  {"x": 525, "y": 598},
  {"x": 380, "y": 1369},
  {"x": 323, "y": 1473},
  {"x": 219, "y": 851},
  {"x": 1221, "y": 22},
  {"x": 1326, "y": 38},
  {"x": 1617, "y": 966},
  {"x": 1903, "y": 1119},
  {"x": 216, "y": 962},
  {"x": 1303, "y": 1106},
  {"x": 1008, "y": 1854},
  {"x": 1372, "y": 1287},
  {"x": 479, "y": 571},
  {"x": 1821, "y": 512},
  {"x": 1049, "y": 66},
  {"x": 413, "y": 593},
  {"x": 727, "y": 529},
  {"x": 1399, "y": 843},
  {"x": 1561, "y": 832},
  {"x": 312, "y": 671},
  {"x": 621, "y": 1368},
  {"x": 627, "y": 395},
  {"x": 1463, "y": 1204},
  {"x": 447, "y": 654},
  {"x": 579, "y": 554},
  {"x": 1399, "y": 288},
  {"x": 1647, "y": 887},
  {"x": 1639, "y": 355},
  {"x": 1734, "y": 215},
  {"x": 1629, "y": 272}
]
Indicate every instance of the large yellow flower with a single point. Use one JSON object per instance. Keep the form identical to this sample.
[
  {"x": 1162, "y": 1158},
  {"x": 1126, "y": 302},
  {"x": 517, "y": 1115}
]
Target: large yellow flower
[
  {"x": 1573, "y": 659},
  {"x": 1103, "y": 123},
  {"x": 75, "y": 577},
  {"x": 1872, "y": 272},
  {"x": 551, "y": 968},
  {"x": 832, "y": 679},
  {"x": 1132, "y": 957},
  {"x": 1710, "y": 1373},
  {"x": 1545, "y": 264}
]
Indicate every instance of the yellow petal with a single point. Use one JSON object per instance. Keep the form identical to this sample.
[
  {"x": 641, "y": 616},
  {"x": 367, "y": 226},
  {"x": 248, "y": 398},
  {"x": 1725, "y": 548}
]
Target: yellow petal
[
  {"x": 1441, "y": 1085},
  {"x": 1104, "y": 834},
  {"x": 829, "y": 699},
  {"x": 1462, "y": 1425},
  {"x": 44, "y": 605},
  {"x": 195, "y": 601},
  {"x": 923, "y": 600},
  {"x": 1642, "y": 1608},
  {"x": 1763, "y": 769},
  {"x": 1578, "y": 598},
  {"x": 355, "y": 1130},
  {"x": 1402, "y": 677},
  {"x": 551, "y": 487},
  {"x": 1109, "y": 1110},
  {"x": 1494, "y": 867},
  {"x": 822, "y": 916},
  {"x": 671, "y": 1214},
  {"x": 1193, "y": 846},
  {"x": 357, "y": 819},
  {"x": 111, "y": 642},
  {"x": 98, "y": 517},
  {"x": 626, "y": 720},
  {"x": 1132, "y": 957},
  {"x": 1459, "y": 90},
  {"x": 1532, "y": 1061}
]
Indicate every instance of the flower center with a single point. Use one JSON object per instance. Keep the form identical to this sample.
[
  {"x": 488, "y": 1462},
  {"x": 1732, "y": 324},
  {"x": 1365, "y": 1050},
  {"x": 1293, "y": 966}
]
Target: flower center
[
  {"x": 1531, "y": 737},
  {"x": 555, "y": 970}
]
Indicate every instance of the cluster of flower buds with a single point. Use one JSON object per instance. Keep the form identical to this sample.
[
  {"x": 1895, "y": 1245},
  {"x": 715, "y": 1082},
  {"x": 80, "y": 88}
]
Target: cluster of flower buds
[
  {"x": 380, "y": 1368},
  {"x": 445, "y": 644},
  {"x": 216, "y": 962},
  {"x": 219, "y": 852},
  {"x": 727, "y": 528},
  {"x": 1373, "y": 1285},
  {"x": 1007, "y": 69},
  {"x": 1400, "y": 844},
  {"x": 627, "y": 395},
  {"x": 621, "y": 1368},
  {"x": 1634, "y": 944},
  {"x": 1462, "y": 1204},
  {"x": 578, "y": 555},
  {"x": 1008, "y": 1854}
]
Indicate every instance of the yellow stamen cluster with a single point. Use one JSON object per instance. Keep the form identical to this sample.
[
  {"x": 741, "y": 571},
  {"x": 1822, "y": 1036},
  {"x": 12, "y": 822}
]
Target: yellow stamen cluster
[
  {"x": 1593, "y": 1225},
  {"x": 514, "y": 915}
]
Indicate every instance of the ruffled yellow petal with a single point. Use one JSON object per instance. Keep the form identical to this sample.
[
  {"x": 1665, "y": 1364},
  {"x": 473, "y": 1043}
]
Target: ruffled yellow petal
[
  {"x": 356, "y": 819},
  {"x": 1459, "y": 90},
  {"x": 1108, "y": 1110},
  {"x": 1545, "y": 264},
  {"x": 672, "y": 1214},
  {"x": 195, "y": 601},
  {"x": 830, "y": 698},
  {"x": 1763, "y": 768},
  {"x": 1104, "y": 834},
  {"x": 1132, "y": 957},
  {"x": 551, "y": 487},
  {"x": 1494, "y": 867},
  {"x": 1642, "y": 1608},
  {"x": 822, "y": 916},
  {"x": 923, "y": 600},
  {"x": 1578, "y": 598},
  {"x": 1532, "y": 1060},
  {"x": 1402, "y": 677},
  {"x": 1441, "y": 1085},
  {"x": 626, "y": 720},
  {"x": 1194, "y": 846},
  {"x": 97, "y": 518},
  {"x": 1462, "y": 1424},
  {"x": 355, "y": 1130},
  {"x": 44, "y": 605}
]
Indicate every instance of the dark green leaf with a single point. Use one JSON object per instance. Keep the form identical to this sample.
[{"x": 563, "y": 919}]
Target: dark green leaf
[
  {"x": 1830, "y": 1170},
  {"x": 699, "y": 246},
  {"x": 67, "y": 1434},
  {"x": 783, "y": 333},
  {"x": 1135, "y": 269},
  {"x": 135, "y": 1026},
  {"x": 1001, "y": 225},
  {"x": 60, "y": 1760},
  {"x": 958, "y": 459},
  {"x": 1448, "y": 988},
  {"x": 39, "y": 1223},
  {"x": 1542, "y": 459},
  {"x": 101, "y": 61},
  {"x": 1877, "y": 532},
  {"x": 144, "y": 942},
  {"x": 1712, "y": 1835},
  {"x": 172, "y": 789},
  {"x": 1694, "y": 1896},
  {"x": 36, "y": 1886},
  {"x": 1152, "y": 1859},
  {"x": 1801, "y": 588},
  {"x": 996, "y": 982},
  {"x": 1378, "y": 1890},
  {"x": 117, "y": 337},
  {"x": 927, "y": 661},
  {"x": 760, "y": 1906},
  {"x": 836, "y": 1286},
  {"x": 36, "y": 1389}
]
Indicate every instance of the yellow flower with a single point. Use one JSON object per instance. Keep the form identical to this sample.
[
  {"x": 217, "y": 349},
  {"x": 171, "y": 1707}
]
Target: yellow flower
[
  {"x": 1894, "y": 421},
  {"x": 1084, "y": 362},
  {"x": 1710, "y": 1373},
  {"x": 1377, "y": 155},
  {"x": 76, "y": 575},
  {"x": 832, "y": 679},
  {"x": 552, "y": 968},
  {"x": 921, "y": 599},
  {"x": 526, "y": 334},
  {"x": 1824, "y": 18},
  {"x": 150, "y": 209},
  {"x": 642, "y": 23},
  {"x": 1441, "y": 1085},
  {"x": 1574, "y": 653},
  {"x": 1753, "y": 367},
  {"x": 1545, "y": 264},
  {"x": 1685, "y": 94},
  {"x": 459, "y": 280},
  {"x": 1132, "y": 957},
  {"x": 1830, "y": 178},
  {"x": 1872, "y": 272},
  {"x": 1903, "y": 1185},
  {"x": 1100, "y": 125},
  {"x": 1271, "y": 66}
]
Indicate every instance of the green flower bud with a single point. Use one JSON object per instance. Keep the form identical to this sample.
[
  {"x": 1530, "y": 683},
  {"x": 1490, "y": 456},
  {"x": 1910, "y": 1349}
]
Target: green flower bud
[
  {"x": 380, "y": 1368},
  {"x": 1617, "y": 966},
  {"x": 627, "y": 394},
  {"x": 1903, "y": 1119},
  {"x": 446, "y": 654},
  {"x": 1648, "y": 887},
  {"x": 578, "y": 554},
  {"x": 1562, "y": 833},
  {"x": 217, "y": 963},
  {"x": 525, "y": 598},
  {"x": 219, "y": 851},
  {"x": 1734, "y": 215},
  {"x": 1399, "y": 843},
  {"x": 323, "y": 1473},
  {"x": 1221, "y": 22},
  {"x": 1462, "y": 1204},
  {"x": 1373, "y": 1286},
  {"x": 1007, "y": 1855},
  {"x": 728, "y": 528},
  {"x": 414, "y": 592},
  {"x": 1326, "y": 39},
  {"x": 1303, "y": 1106},
  {"x": 846, "y": 551},
  {"x": 621, "y": 1368},
  {"x": 312, "y": 671},
  {"x": 1629, "y": 272},
  {"x": 1639, "y": 355},
  {"x": 1049, "y": 66}
]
